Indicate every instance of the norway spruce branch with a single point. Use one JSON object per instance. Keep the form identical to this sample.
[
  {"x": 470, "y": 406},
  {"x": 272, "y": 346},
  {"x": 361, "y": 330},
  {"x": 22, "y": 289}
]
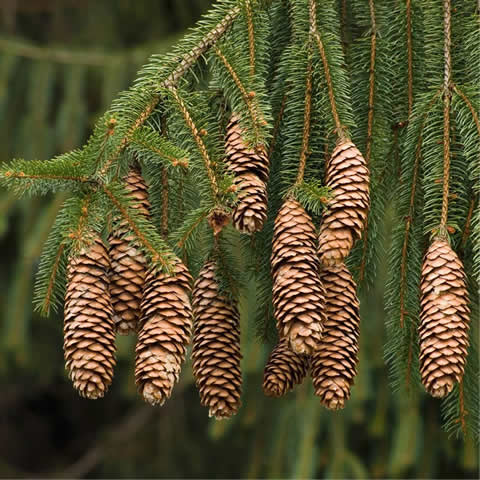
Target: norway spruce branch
[
  {"x": 134, "y": 106},
  {"x": 37, "y": 177}
]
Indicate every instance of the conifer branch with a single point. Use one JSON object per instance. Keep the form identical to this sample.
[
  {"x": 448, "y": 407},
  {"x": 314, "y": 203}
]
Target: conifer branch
[
  {"x": 188, "y": 60},
  {"x": 198, "y": 140},
  {"x": 276, "y": 127},
  {"x": 79, "y": 234},
  {"x": 164, "y": 202},
  {"x": 306, "y": 126},
  {"x": 447, "y": 97},
  {"x": 369, "y": 140},
  {"x": 326, "y": 70},
  {"x": 466, "y": 230},
  {"x": 247, "y": 96},
  {"x": 45, "y": 306},
  {"x": 9, "y": 174},
  {"x": 409, "y": 57},
  {"x": 251, "y": 35},
  {"x": 462, "y": 411},
  {"x": 468, "y": 103},
  {"x": 411, "y": 208}
]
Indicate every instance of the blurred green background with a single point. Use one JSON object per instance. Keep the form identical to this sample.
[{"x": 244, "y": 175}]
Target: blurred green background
[{"x": 61, "y": 64}]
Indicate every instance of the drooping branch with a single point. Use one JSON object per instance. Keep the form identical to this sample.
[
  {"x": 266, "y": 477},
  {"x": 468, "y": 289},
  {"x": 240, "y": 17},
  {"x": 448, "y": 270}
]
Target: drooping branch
[
  {"x": 447, "y": 98},
  {"x": 369, "y": 140},
  {"x": 251, "y": 35},
  {"x": 411, "y": 208},
  {"x": 247, "y": 96},
  {"x": 306, "y": 126},
  {"x": 188, "y": 60},
  {"x": 198, "y": 140},
  {"x": 409, "y": 57},
  {"x": 326, "y": 70}
]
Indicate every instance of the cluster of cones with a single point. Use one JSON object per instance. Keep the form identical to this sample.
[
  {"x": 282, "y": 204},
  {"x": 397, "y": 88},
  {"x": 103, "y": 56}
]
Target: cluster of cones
[
  {"x": 315, "y": 303},
  {"x": 314, "y": 295},
  {"x": 112, "y": 291}
]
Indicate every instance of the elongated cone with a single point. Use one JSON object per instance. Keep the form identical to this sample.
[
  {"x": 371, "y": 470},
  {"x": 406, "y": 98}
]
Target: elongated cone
[
  {"x": 216, "y": 346},
  {"x": 284, "y": 370},
  {"x": 334, "y": 364},
  {"x": 165, "y": 329},
  {"x": 444, "y": 319},
  {"x": 298, "y": 295},
  {"x": 89, "y": 335},
  {"x": 128, "y": 263},
  {"x": 346, "y": 215},
  {"x": 250, "y": 169}
]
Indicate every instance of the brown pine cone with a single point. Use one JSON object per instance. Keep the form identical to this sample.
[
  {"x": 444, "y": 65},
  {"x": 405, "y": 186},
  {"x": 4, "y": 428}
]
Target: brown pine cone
[
  {"x": 164, "y": 333},
  {"x": 444, "y": 319},
  {"x": 284, "y": 370},
  {"x": 250, "y": 169},
  {"x": 334, "y": 364},
  {"x": 346, "y": 215},
  {"x": 128, "y": 263},
  {"x": 298, "y": 295},
  {"x": 216, "y": 346},
  {"x": 89, "y": 336}
]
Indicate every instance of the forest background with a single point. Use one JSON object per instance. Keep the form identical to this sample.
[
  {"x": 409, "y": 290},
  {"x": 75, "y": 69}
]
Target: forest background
[{"x": 61, "y": 64}]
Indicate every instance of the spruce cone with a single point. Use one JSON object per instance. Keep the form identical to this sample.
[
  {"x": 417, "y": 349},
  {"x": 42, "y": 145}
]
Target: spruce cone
[
  {"x": 216, "y": 346},
  {"x": 333, "y": 365},
  {"x": 298, "y": 295},
  {"x": 251, "y": 170},
  {"x": 444, "y": 319},
  {"x": 128, "y": 263},
  {"x": 164, "y": 332},
  {"x": 284, "y": 370},
  {"x": 89, "y": 336},
  {"x": 344, "y": 221}
]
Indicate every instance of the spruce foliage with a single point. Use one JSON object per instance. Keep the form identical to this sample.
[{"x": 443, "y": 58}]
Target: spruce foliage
[{"x": 299, "y": 75}]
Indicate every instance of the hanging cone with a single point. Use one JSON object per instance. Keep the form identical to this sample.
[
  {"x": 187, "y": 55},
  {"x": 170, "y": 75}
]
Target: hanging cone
[
  {"x": 164, "y": 332},
  {"x": 334, "y": 364},
  {"x": 216, "y": 346},
  {"x": 284, "y": 370},
  {"x": 444, "y": 319},
  {"x": 128, "y": 263},
  {"x": 298, "y": 295},
  {"x": 346, "y": 215},
  {"x": 89, "y": 336},
  {"x": 250, "y": 169}
]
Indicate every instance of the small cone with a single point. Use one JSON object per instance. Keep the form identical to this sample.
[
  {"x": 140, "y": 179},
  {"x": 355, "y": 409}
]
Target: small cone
[
  {"x": 250, "y": 169},
  {"x": 164, "y": 332},
  {"x": 298, "y": 295},
  {"x": 444, "y": 319},
  {"x": 128, "y": 263},
  {"x": 334, "y": 364},
  {"x": 284, "y": 370},
  {"x": 343, "y": 223},
  {"x": 89, "y": 336},
  {"x": 216, "y": 346}
]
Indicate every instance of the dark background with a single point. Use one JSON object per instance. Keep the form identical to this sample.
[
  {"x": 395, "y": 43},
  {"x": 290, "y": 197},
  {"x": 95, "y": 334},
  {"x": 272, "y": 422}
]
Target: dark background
[{"x": 61, "y": 63}]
